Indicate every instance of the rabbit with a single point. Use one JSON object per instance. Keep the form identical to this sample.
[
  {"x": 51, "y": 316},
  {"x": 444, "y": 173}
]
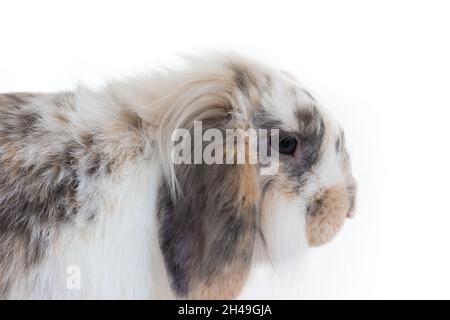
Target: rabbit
[{"x": 92, "y": 205}]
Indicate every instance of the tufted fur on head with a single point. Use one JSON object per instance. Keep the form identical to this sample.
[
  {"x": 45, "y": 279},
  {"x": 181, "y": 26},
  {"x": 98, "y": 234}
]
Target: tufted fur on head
[{"x": 87, "y": 179}]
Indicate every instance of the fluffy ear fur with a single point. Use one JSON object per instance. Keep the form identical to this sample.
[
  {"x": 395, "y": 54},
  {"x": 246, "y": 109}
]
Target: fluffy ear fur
[
  {"x": 208, "y": 225},
  {"x": 207, "y": 234},
  {"x": 208, "y": 213}
]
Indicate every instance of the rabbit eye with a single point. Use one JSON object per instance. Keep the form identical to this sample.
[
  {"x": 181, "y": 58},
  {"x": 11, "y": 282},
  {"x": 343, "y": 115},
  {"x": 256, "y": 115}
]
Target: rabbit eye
[{"x": 287, "y": 145}]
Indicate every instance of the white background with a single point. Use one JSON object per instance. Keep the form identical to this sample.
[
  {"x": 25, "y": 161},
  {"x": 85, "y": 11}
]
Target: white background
[{"x": 381, "y": 67}]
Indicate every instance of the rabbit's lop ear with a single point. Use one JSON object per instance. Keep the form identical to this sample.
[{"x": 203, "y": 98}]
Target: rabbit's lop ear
[{"x": 207, "y": 233}]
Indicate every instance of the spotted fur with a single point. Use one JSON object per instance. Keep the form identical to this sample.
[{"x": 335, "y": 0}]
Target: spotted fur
[{"x": 86, "y": 179}]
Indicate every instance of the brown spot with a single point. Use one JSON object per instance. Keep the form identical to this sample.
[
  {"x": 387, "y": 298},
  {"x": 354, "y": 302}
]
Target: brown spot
[
  {"x": 246, "y": 182},
  {"x": 247, "y": 82},
  {"x": 132, "y": 119},
  {"x": 225, "y": 286},
  {"x": 17, "y": 119},
  {"x": 9, "y": 152},
  {"x": 15, "y": 99},
  {"x": 25, "y": 122},
  {"x": 326, "y": 215},
  {"x": 94, "y": 164},
  {"x": 110, "y": 166},
  {"x": 243, "y": 79},
  {"x": 311, "y": 134},
  {"x": 62, "y": 118},
  {"x": 87, "y": 139}
]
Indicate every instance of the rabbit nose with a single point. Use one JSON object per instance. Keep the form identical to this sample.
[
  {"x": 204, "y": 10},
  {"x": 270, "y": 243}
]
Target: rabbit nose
[{"x": 326, "y": 214}]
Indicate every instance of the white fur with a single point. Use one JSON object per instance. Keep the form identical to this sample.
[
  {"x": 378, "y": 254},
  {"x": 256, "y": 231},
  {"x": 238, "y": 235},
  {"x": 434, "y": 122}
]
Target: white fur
[
  {"x": 118, "y": 256},
  {"x": 278, "y": 269}
]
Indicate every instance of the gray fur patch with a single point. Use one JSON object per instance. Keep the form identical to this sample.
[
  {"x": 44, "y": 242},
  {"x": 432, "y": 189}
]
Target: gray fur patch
[
  {"x": 311, "y": 135},
  {"x": 243, "y": 79},
  {"x": 41, "y": 169},
  {"x": 208, "y": 228},
  {"x": 38, "y": 185}
]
